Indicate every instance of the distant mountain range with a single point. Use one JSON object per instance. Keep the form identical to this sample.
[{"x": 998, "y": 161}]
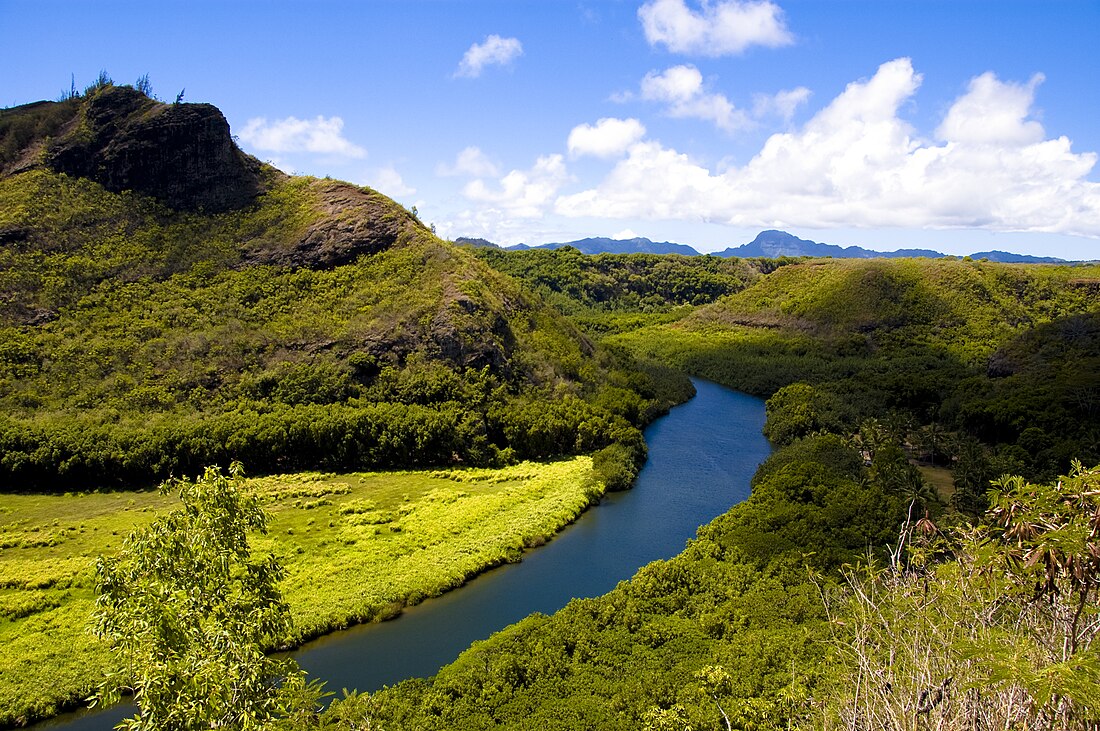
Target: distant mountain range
[
  {"x": 601, "y": 245},
  {"x": 769, "y": 244}
]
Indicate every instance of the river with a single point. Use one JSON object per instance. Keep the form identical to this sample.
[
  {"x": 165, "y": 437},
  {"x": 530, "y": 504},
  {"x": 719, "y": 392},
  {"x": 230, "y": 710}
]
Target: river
[{"x": 702, "y": 456}]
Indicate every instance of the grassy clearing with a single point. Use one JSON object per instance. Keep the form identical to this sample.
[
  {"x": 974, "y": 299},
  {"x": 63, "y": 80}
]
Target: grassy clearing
[
  {"x": 941, "y": 480},
  {"x": 357, "y": 547}
]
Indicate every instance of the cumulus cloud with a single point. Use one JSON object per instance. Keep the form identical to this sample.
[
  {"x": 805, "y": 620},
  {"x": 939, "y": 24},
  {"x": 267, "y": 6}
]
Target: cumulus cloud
[
  {"x": 494, "y": 51},
  {"x": 471, "y": 162},
  {"x": 680, "y": 88},
  {"x": 609, "y": 137},
  {"x": 523, "y": 193},
  {"x": 716, "y": 29},
  {"x": 993, "y": 111},
  {"x": 782, "y": 104},
  {"x": 388, "y": 181},
  {"x": 856, "y": 162},
  {"x": 320, "y": 135}
]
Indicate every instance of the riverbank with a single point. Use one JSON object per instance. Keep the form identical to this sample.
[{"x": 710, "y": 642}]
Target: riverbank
[{"x": 357, "y": 548}]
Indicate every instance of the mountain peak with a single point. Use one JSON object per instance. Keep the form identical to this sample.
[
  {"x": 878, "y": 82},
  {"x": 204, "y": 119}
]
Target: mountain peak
[{"x": 181, "y": 154}]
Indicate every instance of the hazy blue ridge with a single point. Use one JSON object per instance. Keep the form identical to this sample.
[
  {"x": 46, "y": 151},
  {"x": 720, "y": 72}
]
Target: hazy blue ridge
[
  {"x": 1005, "y": 257},
  {"x": 770, "y": 244},
  {"x": 600, "y": 245}
]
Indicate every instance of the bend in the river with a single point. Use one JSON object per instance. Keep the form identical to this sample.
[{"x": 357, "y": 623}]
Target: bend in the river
[{"x": 702, "y": 456}]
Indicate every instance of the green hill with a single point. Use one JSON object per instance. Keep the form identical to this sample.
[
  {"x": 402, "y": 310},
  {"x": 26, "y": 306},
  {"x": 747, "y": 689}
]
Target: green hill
[
  {"x": 608, "y": 293},
  {"x": 167, "y": 302},
  {"x": 1005, "y": 353}
]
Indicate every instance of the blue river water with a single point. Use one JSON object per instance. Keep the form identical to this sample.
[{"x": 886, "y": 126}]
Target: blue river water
[{"x": 702, "y": 456}]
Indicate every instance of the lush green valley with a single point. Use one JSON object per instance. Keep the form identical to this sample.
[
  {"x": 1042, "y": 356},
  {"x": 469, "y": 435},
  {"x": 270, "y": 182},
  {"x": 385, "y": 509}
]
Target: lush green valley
[
  {"x": 882, "y": 574},
  {"x": 877, "y": 372}
]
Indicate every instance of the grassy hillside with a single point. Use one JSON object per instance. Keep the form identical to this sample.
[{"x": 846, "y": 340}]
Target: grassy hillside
[
  {"x": 1004, "y": 353},
  {"x": 609, "y": 293},
  {"x": 316, "y": 325}
]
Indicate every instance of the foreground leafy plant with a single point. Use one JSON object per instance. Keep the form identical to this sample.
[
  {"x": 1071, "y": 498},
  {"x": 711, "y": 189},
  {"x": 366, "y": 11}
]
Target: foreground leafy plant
[
  {"x": 1001, "y": 636},
  {"x": 190, "y": 611}
]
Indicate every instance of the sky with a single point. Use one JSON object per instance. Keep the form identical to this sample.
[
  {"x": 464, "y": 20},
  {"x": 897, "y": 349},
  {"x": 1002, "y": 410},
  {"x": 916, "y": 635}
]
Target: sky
[{"x": 959, "y": 126}]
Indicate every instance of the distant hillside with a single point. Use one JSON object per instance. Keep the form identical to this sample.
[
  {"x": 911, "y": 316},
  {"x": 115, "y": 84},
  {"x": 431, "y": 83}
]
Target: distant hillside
[
  {"x": 605, "y": 293},
  {"x": 774, "y": 244},
  {"x": 1004, "y": 257},
  {"x": 476, "y": 243},
  {"x": 168, "y": 302},
  {"x": 601, "y": 245},
  {"x": 1008, "y": 353},
  {"x": 767, "y": 244}
]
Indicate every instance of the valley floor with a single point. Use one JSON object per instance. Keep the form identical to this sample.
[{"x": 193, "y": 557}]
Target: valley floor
[{"x": 356, "y": 547}]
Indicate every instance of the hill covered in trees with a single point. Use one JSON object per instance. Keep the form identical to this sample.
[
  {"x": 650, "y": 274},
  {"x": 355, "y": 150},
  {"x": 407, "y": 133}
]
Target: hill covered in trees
[
  {"x": 1006, "y": 354},
  {"x": 151, "y": 326},
  {"x": 167, "y": 302}
]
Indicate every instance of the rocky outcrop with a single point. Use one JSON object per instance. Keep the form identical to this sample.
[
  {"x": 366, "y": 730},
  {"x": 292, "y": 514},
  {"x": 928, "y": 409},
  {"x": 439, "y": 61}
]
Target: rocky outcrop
[
  {"x": 354, "y": 221},
  {"x": 180, "y": 154}
]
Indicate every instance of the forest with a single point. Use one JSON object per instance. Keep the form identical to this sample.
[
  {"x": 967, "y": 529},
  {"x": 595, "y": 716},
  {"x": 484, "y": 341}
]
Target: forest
[{"x": 919, "y": 551}]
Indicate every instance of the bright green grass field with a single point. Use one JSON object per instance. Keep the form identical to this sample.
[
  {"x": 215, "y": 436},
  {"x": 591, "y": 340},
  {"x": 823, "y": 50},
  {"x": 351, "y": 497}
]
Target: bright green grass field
[{"x": 356, "y": 547}]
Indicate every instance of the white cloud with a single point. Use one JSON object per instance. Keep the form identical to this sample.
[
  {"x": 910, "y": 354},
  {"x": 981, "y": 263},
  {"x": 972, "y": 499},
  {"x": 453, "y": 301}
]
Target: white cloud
[
  {"x": 388, "y": 181},
  {"x": 607, "y": 138},
  {"x": 471, "y": 162},
  {"x": 782, "y": 104},
  {"x": 993, "y": 112},
  {"x": 624, "y": 235},
  {"x": 523, "y": 193},
  {"x": 501, "y": 227},
  {"x": 652, "y": 182},
  {"x": 680, "y": 88},
  {"x": 857, "y": 163},
  {"x": 675, "y": 85},
  {"x": 494, "y": 51},
  {"x": 321, "y": 136},
  {"x": 717, "y": 29}
]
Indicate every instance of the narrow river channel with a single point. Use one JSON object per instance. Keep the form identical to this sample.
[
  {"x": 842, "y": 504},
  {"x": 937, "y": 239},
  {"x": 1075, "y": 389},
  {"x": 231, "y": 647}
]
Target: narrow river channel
[{"x": 702, "y": 456}]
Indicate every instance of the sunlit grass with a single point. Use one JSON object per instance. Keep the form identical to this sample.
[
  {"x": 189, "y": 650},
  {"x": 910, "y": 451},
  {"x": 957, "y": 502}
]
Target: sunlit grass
[{"x": 357, "y": 547}]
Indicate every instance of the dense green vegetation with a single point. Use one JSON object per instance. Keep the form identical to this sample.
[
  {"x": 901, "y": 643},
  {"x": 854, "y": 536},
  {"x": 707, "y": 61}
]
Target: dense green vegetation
[
  {"x": 738, "y": 603},
  {"x": 309, "y": 324},
  {"x": 872, "y": 367},
  {"x": 355, "y": 547},
  {"x": 618, "y": 292},
  {"x": 1007, "y": 355},
  {"x": 134, "y": 345}
]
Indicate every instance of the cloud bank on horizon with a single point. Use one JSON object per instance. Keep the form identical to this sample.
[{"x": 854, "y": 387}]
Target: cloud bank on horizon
[
  {"x": 856, "y": 162},
  {"x": 678, "y": 137}
]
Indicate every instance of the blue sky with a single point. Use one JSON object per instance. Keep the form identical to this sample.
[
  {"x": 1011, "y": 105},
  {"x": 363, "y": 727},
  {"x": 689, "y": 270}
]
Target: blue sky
[{"x": 959, "y": 126}]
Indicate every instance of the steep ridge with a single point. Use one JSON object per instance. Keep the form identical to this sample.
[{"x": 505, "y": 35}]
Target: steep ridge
[
  {"x": 181, "y": 154},
  {"x": 1005, "y": 353},
  {"x": 168, "y": 302}
]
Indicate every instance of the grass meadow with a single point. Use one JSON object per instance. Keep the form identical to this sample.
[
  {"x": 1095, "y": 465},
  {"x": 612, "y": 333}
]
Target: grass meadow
[{"x": 357, "y": 547}]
